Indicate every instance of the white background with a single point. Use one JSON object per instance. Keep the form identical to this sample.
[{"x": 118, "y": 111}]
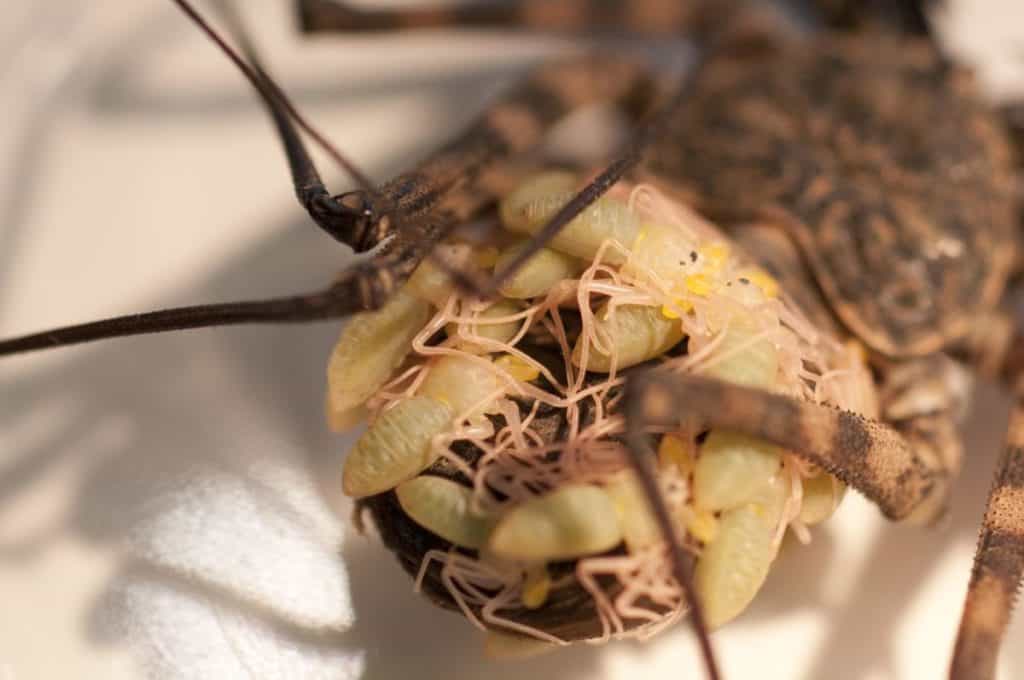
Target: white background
[{"x": 136, "y": 475}]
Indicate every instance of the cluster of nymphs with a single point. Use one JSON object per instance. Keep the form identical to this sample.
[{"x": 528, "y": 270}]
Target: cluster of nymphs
[{"x": 636, "y": 279}]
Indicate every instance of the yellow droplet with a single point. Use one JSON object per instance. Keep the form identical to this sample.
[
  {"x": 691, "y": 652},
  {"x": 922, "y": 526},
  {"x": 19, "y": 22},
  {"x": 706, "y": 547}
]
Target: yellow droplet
[
  {"x": 699, "y": 284},
  {"x": 703, "y": 526},
  {"x": 672, "y": 310},
  {"x": 536, "y": 587},
  {"x": 517, "y": 368},
  {"x": 674, "y": 451},
  {"x": 760, "y": 278},
  {"x": 715, "y": 255}
]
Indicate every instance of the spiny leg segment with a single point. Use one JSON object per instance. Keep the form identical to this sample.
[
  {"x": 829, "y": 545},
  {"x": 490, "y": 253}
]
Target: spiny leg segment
[
  {"x": 902, "y": 476},
  {"x": 870, "y": 456}
]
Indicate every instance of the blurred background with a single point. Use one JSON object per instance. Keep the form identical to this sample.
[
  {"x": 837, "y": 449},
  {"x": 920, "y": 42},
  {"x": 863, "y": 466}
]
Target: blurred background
[{"x": 169, "y": 505}]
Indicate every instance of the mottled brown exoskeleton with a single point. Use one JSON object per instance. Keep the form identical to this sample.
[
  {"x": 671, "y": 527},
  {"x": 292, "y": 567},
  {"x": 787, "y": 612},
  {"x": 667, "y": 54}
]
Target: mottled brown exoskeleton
[{"x": 859, "y": 165}]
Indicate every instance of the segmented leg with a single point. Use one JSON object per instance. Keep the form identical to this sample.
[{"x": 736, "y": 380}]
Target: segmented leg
[
  {"x": 908, "y": 16},
  {"x": 648, "y": 17},
  {"x": 370, "y": 281},
  {"x": 510, "y": 126},
  {"x": 413, "y": 212},
  {"x": 998, "y": 565},
  {"x": 898, "y": 473},
  {"x": 999, "y": 560},
  {"x": 335, "y": 219},
  {"x": 904, "y": 474}
]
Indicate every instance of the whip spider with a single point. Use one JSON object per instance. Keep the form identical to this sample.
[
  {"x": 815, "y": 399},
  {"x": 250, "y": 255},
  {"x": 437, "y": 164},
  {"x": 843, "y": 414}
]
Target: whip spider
[{"x": 347, "y": 222}]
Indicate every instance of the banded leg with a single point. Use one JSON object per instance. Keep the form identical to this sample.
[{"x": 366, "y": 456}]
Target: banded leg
[
  {"x": 647, "y": 17},
  {"x": 510, "y": 126},
  {"x": 366, "y": 218},
  {"x": 999, "y": 560},
  {"x": 998, "y": 564},
  {"x": 905, "y": 16},
  {"x": 903, "y": 474},
  {"x": 715, "y": 26},
  {"x": 906, "y": 479}
]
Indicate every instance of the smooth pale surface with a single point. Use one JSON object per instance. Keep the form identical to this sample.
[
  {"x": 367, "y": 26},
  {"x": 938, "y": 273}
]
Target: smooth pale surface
[
  {"x": 396, "y": 447},
  {"x": 371, "y": 348},
  {"x": 538, "y": 274},
  {"x": 637, "y": 332},
  {"x": 570, "y": 522},
  {"x": 529, "y": 207},
  {"x": 444, "y": 507},
  {"x": 732, "y": 469},
  {"x": 95, "y": 451}
]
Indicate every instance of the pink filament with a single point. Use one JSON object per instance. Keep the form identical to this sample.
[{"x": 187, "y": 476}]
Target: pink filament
[{"x": 514, "y": 463}]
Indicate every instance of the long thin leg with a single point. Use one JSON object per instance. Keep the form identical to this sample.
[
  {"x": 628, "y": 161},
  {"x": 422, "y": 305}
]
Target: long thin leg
[
  {"x": 518, "y": 120},
  {"x": 642, "y": 458},
  {"x": 998, "y": 564},
  {"x": 647, "y": 17},
  {"x": 364, "y": 287},
  {"x": 335, "y": 218},
  {"x": 907, "y": 16},
  {"x": 311, "y": 307},
  {"x": 722, "y": 25},
  {"x": 421, "y": 206}
]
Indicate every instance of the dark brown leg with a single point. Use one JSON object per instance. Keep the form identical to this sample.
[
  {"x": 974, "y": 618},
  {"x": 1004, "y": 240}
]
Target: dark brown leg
[
  {"x": 905, "y": 16},
  {"x": 905, "y": 472},
  {"x": 903, "y": 477},
  {"x": 335, "y": 218},
  {"x": 998, "y": 564},
  {"x": 373, "y": 281},
  {"x": 648, "y": 17},
  {"x": 411, "y": 213},
  {"x": 518, "y": 121}
]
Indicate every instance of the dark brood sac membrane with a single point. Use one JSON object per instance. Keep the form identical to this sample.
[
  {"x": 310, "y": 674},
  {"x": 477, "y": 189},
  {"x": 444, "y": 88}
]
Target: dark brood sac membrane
[
  {"x": 493, "y": 465},
  {"x": 569, "y": 611}
]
